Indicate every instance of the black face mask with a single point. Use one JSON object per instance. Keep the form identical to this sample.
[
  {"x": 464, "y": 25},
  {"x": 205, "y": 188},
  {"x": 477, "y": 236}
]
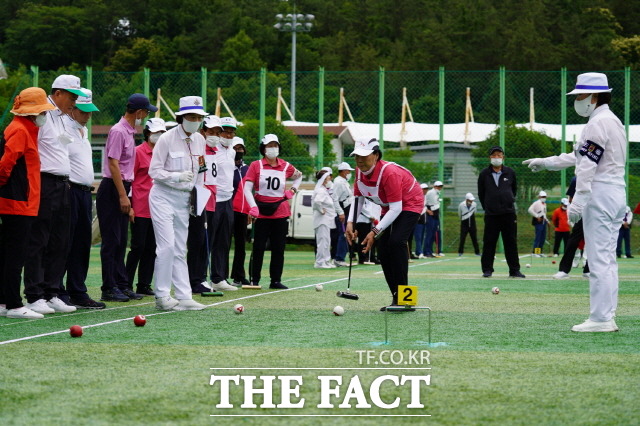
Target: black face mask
[{"x": 239, "y": 155}]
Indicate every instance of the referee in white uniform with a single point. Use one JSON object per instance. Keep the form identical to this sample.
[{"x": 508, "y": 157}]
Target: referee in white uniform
[
  {"x": 175, "y": 167},
  {"x": 600, "y": 199}
]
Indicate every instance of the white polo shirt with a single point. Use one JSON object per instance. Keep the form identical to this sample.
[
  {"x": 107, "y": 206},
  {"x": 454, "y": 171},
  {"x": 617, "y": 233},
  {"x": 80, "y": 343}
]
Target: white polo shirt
[
  {"x": 80, "y": 154},
  {"x": 54, "y": 155},
  {"x": 225, "y": 160}
]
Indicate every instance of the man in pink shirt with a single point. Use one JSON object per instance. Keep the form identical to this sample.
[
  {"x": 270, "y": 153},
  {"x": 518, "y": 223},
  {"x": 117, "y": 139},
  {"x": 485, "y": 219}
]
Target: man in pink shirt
[
  {"x": 395, "y": 189},
  {"x": 142, "y": 254},
  {"x": 112, "y": 201}
]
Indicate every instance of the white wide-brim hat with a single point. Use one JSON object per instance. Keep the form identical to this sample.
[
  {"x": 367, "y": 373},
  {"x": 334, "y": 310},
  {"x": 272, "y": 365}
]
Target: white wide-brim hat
[
  {"x": 191, "y": 105},
  {"x": 591, "y": 82}
]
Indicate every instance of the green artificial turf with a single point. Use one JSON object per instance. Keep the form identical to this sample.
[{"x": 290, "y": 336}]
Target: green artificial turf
[{"x": 508, "y": 358}]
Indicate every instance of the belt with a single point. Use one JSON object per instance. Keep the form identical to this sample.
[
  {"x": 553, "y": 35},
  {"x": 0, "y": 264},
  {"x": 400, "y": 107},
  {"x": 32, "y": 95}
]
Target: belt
[
  {"x": 61, "y": 178},
  {"x": 85, "y": 188}
]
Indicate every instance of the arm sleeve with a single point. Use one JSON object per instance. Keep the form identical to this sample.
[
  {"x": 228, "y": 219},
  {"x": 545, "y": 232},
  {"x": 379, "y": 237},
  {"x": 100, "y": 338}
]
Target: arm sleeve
[
  {"x": 532, "y": 211},
  {"x": 460, "y": 211},
  {"x": 336, "y": 204},
  {"x": 248, "y": 193},
  {"x": 586, "y": 167},
  {"x": 13, "y": 149},
  {"x": 481, "y": 189},
  {"x": 629, "y": 217},
  {"x": 395, "y": 209},
  {"x": 560, "y": 162},
  {"x": 156, "y": 166}
]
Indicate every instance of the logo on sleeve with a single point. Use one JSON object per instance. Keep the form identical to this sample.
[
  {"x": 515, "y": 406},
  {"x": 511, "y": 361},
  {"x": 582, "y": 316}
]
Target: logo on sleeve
[{"x": 592, "y": 151}]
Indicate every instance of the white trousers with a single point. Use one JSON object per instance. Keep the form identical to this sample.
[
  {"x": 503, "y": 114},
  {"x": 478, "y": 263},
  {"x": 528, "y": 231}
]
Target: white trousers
[
  {"x": 323, "y": 244},
  {"x": 602, "y": 219},
  {"x": 170, "y": 216}
]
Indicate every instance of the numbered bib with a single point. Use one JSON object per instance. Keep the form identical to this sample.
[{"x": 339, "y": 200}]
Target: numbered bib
[
  {"x": 272, "y": 182},
  {"x": 212, "y": 173}
]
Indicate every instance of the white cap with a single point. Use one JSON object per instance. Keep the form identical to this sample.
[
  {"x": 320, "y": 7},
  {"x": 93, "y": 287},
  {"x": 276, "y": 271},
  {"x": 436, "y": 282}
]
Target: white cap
[
  {"x": 85, "y": 103},
  {"x": 564, "y": 201},
  {"x": 211, "y": 121},
  {"x": 424, "y": 186},
  {"x": 191, "y": 105},
  {"x": 270, "y": 138},
  {"x": 327, "y": 169},
  {"x": 156, "y": 125},
  {"x": 437, "y": 183},
  {"x": 237, "y": 141},
  {"x": 70, "y": 83},
  {"x": 469, "y": 196},
  {"x": 364, "y": 147},
  {"x": 344, "y": 166},
  {"x": 542, "y": 194},
  {"x": 229, "y": 122},
  {"x": 591, "y": 82}
]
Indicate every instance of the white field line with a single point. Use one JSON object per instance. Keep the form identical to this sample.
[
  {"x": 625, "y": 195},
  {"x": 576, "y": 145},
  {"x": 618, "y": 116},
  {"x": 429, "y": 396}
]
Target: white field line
[{"x": 66, "y": 330}]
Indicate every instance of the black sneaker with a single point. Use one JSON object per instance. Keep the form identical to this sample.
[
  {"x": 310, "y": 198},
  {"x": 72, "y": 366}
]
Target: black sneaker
[
  {"x": 278, "y": 286},
  {"x": 130, "y": 294},
  {"x": 114, "y": 295},
  {"x": 414, "y": 257},
  {"x": 199, "y": 288},
  {"x": 240, "y": 283},
  {"x": 487, "y": 274},
  {"x": 145, "y": 290},
  {"x": 517, "y": 274},
  {"x": 88, "y": 304},
  {"x": 629, "y": 256}
]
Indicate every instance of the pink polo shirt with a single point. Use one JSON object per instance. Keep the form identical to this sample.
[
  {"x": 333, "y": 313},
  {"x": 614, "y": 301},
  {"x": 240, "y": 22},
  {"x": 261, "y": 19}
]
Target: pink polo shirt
[
  {"x": 397, "y": 184},
  {"x": 121, "y": 145},
  {"x": 142, "y": 182}
]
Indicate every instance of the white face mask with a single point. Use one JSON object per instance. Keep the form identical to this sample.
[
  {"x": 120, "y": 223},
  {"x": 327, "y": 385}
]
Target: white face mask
[
  {"x": 226, "y": 142},
  {"x": 41, "y": 119},
  {"x": 329, "y": 184},
  {"x": 138, "y": 122},
  {"x": 212, "y": 141},
  {"x": 584, "y": 108},
  {"x": 543, "y": 200},
  {"x": 348, "y": 176},
  {"x": 153, "y": 137},
  {"x": 272, "y": 153},
  {"x": 496, "y": 162},
  {"x": 191, "y": 126}
]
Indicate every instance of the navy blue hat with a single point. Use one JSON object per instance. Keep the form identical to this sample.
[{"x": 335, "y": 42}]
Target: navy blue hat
[
  {"x": 140, "y": 101},
  {"x": 496, "y": 148}
]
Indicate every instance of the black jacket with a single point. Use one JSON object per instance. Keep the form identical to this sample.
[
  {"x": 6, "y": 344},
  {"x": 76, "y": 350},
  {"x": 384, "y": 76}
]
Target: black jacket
[{"x": 499, "y": 199}]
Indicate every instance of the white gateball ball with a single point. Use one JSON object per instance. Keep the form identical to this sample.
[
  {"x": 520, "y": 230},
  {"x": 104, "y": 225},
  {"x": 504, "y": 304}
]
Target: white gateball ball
[
  {"x": 338, "y": 311},
  {"x": 495, "y": 290},
  {"x": 238, "y": 309},
  {"x": 319, "y": 287},
  {"x": 528, "y": 265}
]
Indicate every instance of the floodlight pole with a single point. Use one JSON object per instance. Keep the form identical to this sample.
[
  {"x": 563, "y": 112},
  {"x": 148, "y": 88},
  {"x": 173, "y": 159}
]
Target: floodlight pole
[{"x": 293, "y": 64}]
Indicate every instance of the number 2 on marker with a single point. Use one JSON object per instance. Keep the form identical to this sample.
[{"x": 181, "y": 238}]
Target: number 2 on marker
[{"x": 407, "y": 295}]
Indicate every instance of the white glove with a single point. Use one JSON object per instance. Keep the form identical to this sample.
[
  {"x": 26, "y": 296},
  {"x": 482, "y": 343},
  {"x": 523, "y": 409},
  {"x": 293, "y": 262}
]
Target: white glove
[
  {"x": 578, "y": 202},
  {"x": 186, "y": 176},
  {"x": 536, "y": 164}
]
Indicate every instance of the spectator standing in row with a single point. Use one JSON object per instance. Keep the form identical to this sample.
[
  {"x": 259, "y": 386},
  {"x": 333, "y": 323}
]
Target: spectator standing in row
[
  {"x": 419, "y": 233},
  {"x": 142, "y": 254},
  {"x": 19, "y": 195},
  {"x": 538, "y": 212},
  {"x": 324, "y": 215},
  {"x": 562, "y": 229},
  {"x": 625, "y": 234},
  {"x": 467, "y": 214},
  {"x": 434, "y": 234},
  {"x": 240, "y": 215},
  {"x": 344, "y": 195}
]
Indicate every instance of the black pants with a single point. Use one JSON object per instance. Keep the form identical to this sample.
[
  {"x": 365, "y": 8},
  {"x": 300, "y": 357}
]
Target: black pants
[
  {"x": 48, "y": 243},
  {"x": 142, "y": 255},
  {"x": 560, "y": 237},
  {"x": 197, "y": 250},
  {"x": 239, "y": 249},
  {"x": 114, "y": 229},
  {"x": 494, "y": 225},
  {"x": 14, "y": 236},
  {"x": 577, "y": 234},
  {"x": 80, "y": 243},
  {"x": 468, "y": 226},
  {"x": 393, "y": 252},
  {"x": 363, "y": 228},
  {"x": 220, "y": 228},
  {"x": 274, "y": 230}
]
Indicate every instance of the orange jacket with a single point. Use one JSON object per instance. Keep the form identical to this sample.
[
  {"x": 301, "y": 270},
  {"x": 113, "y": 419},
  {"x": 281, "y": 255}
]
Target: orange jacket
[
  {"x": 20, "y": 169},
  {"x": 560, "y": 220}
]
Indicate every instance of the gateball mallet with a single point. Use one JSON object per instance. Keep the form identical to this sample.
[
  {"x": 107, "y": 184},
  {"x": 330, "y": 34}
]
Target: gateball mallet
[{"x": 347, "y": 294}]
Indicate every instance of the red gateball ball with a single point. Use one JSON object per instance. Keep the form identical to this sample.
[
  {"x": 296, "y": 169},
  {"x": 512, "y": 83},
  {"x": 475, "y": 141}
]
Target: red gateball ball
[
  {"x": 553, "y": 261},
  {"x": 75, "y": 331},
  {"x": 139, "y": 320}
]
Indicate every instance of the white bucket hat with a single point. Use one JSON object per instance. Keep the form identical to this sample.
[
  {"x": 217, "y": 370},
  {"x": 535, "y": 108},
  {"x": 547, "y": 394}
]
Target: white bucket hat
[
  {"x": 238, "y": 141},
  {"x": 591, "y": 82},
  {"x": 191, "y": 105},
  {"x": 542, "y": 194}
]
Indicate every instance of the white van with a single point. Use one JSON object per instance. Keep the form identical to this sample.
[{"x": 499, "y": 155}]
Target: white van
[{"x": 301, "y": 219}]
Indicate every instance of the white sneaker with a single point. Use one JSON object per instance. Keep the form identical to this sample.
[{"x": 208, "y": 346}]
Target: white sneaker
[
  {"x": 422, "y": 256},
  {"x": 586, "y": 275},
  {"x": 23, "y": 313},
  {"x": 40, "y": 306},
  {"x": 3, "y": 310},
  {"x": 596, "y": 326},
  {"x": 59, "y": 306},
  {"x": 576, "y": 261},
  {"x": 341, "y": 263},
  {"x": 555, "y": 255},
  {"x": 440, "y": 254},
  {"x": 166, "y": 303},
  {"x": 206, "y": 284},
  {"x": 188, "y": 305},
  {"x": 331, "y": 265},
  {"x": 223, "y": 286},
  {"x": 560, "y": 275}
]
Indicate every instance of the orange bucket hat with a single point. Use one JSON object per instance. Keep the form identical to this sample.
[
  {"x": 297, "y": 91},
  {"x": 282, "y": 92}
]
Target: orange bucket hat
[{"x": 31, "y": 101}]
